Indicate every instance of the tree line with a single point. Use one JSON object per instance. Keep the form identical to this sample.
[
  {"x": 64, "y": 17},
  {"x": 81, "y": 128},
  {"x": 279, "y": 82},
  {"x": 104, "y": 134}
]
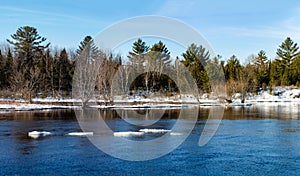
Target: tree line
[{"x": 29, "y": 67}]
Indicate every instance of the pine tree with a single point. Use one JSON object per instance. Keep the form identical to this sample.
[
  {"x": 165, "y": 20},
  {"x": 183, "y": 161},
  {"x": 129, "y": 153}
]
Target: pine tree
[
  {"x": 196, "y": 58},
  {"x": 8, "y": 69},
  {"x": 233, "y": 69},
  {"x": 49, "y": 73},
  {"x": 276, "y": 71},
  {"x": 157, "y": 61},
  {"x": 55, "y": 74},
  {"x": 29, "y": 51},
  {"x": 287, "y": 52},
  {"x": 261, "y": 59},
  {"x": 136, "y": 57},
  {"x": 214, "y": 70},
  {"x": 87, "y": 44},
  {"x": 2, "y": 76},
  {"x": 65, "y": 79},
  {"x": 262, "y": 69},
  {"x": 28, "y": 45},
  {"x": 295, "y": 75}
]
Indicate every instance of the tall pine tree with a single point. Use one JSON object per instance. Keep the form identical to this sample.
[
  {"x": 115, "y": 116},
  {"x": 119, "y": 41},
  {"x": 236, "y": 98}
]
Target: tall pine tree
[
  {"x": 28, "y": 45},
  {"x": 2, "y": 78},
  {"x": 262, "y": 69},
  {"x": 287, "y": 52},
  {"x": 8, "y": 69},
  {"x": 196, "y": 58},
  {"x": 136, "y": 57}
]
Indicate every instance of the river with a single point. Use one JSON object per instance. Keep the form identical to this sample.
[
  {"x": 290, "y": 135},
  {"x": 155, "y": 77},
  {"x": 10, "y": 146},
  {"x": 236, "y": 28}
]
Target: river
[{"x": 262, "y": 139}]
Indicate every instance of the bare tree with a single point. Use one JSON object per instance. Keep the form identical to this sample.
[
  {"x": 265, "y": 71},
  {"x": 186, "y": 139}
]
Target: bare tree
[
  {"x": 85, "y": 75},
  {"x": 122, "y": 79},
  {"x": 26, "y": 87},
  {"x": 105, "y": 75}
]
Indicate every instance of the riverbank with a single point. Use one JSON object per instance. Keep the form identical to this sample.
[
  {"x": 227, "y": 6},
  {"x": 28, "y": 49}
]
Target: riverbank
[{"x": 48, "y": 104}]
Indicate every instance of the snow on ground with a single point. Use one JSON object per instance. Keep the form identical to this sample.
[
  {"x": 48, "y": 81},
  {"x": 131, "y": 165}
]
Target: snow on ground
[
  {"x": 179, "y": 101},
  {"x": 285, "y": 95},
  {"x": 30, "y": 107}
]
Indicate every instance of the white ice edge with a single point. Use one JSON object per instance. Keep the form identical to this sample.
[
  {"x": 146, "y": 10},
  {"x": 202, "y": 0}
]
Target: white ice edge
[
  {"x": 37, "y": 134},
  {"x": 81, "y": 134},
  {"x": 175, "y": 134},
  {"x": 23, "y": 107},
  {"x": 128, "y": 133},
  {"x": 146, "y": 130}
]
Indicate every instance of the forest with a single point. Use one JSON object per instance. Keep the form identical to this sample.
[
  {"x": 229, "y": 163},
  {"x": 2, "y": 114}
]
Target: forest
[{"x": 30, "y": 67}]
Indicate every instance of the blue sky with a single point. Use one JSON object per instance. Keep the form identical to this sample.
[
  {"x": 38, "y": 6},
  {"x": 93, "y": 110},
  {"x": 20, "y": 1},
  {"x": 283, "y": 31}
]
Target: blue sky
[{"x": 231, "y": 27}]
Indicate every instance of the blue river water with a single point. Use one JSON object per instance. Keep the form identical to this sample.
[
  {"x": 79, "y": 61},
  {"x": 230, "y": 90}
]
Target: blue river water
[{"x": 256, "y": 140}]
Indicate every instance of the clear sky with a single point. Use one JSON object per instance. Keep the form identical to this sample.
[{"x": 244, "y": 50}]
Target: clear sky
[{"x": 231, "y": 27}]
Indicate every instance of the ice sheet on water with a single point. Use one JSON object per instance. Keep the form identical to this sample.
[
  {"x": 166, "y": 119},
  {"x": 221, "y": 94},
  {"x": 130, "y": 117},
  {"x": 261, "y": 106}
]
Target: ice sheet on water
[
  {"x": 37, "y": 134},
  {"x": 128, "y": 134},
  {"x": 146, "y": 130},
  {"x": 81, "y": 134},
  {"x": 175, "y": 134}
]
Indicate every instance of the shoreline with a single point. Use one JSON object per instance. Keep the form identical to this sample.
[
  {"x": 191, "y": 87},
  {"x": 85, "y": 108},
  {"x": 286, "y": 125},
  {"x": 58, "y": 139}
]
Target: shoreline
[{"x": 19, "y": 105}]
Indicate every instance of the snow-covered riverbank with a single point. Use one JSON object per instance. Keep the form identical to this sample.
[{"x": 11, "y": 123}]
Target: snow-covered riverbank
[{"x": 183, "y": 101}]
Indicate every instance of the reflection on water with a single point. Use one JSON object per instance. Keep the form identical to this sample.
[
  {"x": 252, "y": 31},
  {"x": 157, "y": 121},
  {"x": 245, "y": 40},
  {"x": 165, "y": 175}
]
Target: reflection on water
[
  {"x": 261, "y": 139},
  {"x": 38, "y": 115},
  {"x": 264, "y": 111},
  {"x": 258, "y": 111}
]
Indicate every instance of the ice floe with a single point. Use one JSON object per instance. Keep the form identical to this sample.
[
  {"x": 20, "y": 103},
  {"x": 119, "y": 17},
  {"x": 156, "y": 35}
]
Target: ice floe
[
  {"x": 81, "y": 134},
  {"x": 37, "y": 134},
  {"x": 154, "y": 130},
  {"x": 128, "y": 133},
  {"x": 175, "y": 134}
]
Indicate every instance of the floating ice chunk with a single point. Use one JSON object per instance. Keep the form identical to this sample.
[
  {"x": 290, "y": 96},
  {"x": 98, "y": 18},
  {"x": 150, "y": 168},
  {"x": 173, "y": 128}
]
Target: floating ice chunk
[
  {"x": 175, "y": 134},
  {"x": 37, "y": 134},
  {"x": 154, "y": 130},
  {"x": 81, "y": 134},
  {"x": 128, "y": 133}
]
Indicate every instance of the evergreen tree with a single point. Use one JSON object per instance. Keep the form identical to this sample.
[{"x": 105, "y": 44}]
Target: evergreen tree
[
  {"x": 214, "y": 69},
  {"x": 8, "y": 69},
  {"x": 28, "y": 45},
  {"x": 49, "y": 68},
  {"x": 276, "y": 71},
  {"x": 233, "y": 69},
  {"x": 287, "y": 52},
  {"x": 136, "y": 57},
  {"x": 196, "y": 58},
  {"x": 87, "y": 44},
  {"x": 65, "y": 79},
  {"x": 29, "y": 49},
  {"x": 261, "y": 59},
  {"x": 2, "y": 77},
  {"x": 139, "y": 48},
  {"x": 262, "y": 69},
  {"x": 295, "y": 75},
  {"x": 158, "y": 58}
]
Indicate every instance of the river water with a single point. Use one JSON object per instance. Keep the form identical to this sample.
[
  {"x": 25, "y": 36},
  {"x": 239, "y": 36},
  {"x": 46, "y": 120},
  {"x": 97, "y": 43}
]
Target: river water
[{"x": 257, "y": 140}]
